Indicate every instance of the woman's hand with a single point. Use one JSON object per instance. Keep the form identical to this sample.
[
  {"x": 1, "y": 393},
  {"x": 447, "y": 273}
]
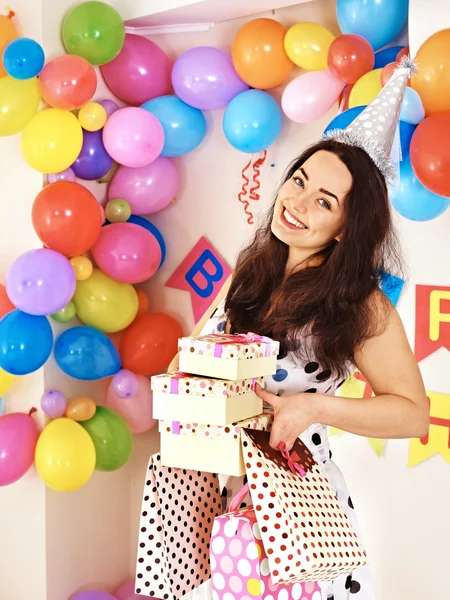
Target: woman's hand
[{"x": 292, "y": 416}]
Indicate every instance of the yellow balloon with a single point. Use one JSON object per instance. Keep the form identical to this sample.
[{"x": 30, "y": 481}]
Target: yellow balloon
[
  {"x": 65, "y": 455},
  {"x": 92, "y": 116},
  {"x": 82, "y": 267},
  {"x": 52, "y": 140},
  {"x": 366, "y": 89},
  {"x": 307, "y": 45},
  {"x": 105, "y": 303},
  {"x": 19, "y": 101},
  {"x": 6, "y": 380}
]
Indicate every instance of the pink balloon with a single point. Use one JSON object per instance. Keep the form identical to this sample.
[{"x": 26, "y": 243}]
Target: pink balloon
[
  {"x": 137, "y": 411},
  {"x": 18, "y": 438},
  {"x": 127, "y": 252},
  {"x": 133, "y": 137},
  {"x": 310, "y": 96},
  {"x": 140, "y": 72},
  {"x": 147, "y": 189}
]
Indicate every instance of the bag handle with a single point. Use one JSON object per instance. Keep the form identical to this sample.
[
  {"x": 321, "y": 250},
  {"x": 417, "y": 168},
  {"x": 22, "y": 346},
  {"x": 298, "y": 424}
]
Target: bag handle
[{"x": 235, "y": 503}]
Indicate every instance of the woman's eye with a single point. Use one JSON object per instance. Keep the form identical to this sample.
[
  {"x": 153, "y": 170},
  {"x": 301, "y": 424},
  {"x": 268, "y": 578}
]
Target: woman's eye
[
  {"x": 325, "y": 203},
  {"x": 299, "y": 181}
]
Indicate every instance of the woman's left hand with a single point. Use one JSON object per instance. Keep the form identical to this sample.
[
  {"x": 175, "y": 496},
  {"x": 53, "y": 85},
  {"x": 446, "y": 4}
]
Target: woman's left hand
[{"x": 293, "y": 414}]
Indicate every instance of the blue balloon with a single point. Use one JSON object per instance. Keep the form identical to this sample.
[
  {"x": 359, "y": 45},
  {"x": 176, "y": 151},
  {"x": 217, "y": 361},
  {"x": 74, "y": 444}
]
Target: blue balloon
[
  {"x": 23, "y": 58},
  {"x": 1, "y": 407},
  {"x": 406, "y": 133},
  {"x": 154, "y": 231},
  {"x": 412, "y": 200},
  {"x": 184, "y": 126},
  {"x": 26, "y": 342},
  {"x": 386, "y": 56},
  {"x": 252, "y": 121},
  {"x": 345, "y": 118},
  {"x": 93, "y": 162},
  {"x": 379, "y": 21},
  {"x": 86, "y": 353},
  {"x": 412, "y": 108}
]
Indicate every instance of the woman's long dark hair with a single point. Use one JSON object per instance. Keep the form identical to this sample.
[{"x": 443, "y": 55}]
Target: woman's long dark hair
[{"x": 327, "y": 303}]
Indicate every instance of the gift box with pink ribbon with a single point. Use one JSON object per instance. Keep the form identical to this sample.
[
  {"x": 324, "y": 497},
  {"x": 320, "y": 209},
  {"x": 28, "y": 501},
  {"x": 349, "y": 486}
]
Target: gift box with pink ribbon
[{"x": 232, "y": 357}]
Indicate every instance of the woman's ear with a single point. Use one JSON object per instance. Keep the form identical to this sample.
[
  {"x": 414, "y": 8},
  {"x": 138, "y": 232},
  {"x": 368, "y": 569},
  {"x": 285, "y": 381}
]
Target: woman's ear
[{"x": 338, "y": 237}]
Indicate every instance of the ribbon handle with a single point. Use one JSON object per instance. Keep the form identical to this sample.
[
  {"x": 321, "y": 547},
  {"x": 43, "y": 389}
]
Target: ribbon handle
[
  {"x": 236, "y": 502},
  {"x": 242, "y": 338},
  {"x": 292, "y": 460}
]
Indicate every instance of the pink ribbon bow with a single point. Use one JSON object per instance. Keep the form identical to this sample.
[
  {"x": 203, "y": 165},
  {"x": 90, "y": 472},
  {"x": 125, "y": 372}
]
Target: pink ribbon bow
[
  {"x": 292, "y": 459},
  {"x": 242, "y": 338}
]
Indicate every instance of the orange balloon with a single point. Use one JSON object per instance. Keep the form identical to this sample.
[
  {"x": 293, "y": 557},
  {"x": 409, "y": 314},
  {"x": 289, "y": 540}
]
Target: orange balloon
[
  {"x": 6, "y": 305},
  {"x": 8, "y": 33},
  {"x": 67, "y": 82},
  {"x": 258, "y": 54},
  {"x": 143, "y": 303},
  {"x": 81, "y": 409},
  {"x": 432, "y": 81},
  {"x": 150, "y": 343}
]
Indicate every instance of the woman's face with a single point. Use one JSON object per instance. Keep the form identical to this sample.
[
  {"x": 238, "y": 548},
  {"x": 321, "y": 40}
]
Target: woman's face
[{"x": 309, "y": 209}]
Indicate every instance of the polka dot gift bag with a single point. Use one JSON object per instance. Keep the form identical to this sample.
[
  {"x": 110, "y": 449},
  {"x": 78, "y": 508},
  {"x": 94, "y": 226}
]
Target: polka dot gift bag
[
  {"x": 305, "y": 533},
  {"x": 178, "y": 511}
]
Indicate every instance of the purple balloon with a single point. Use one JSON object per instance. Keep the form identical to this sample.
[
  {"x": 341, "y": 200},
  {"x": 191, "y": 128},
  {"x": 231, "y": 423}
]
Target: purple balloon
[
  {"x": 54, "y": 403},
  {"x": 66, "y": 175},
  {"x": 93, "y": 162},
  {"x": 110, "y": 106},
  {"x": 205, "y": 78},
  {"x": 147, "y": 189},
  {"x": 93, "y": 595},
  {"x": 125, "y": 384},
  {"x": 40, "y": 282}
]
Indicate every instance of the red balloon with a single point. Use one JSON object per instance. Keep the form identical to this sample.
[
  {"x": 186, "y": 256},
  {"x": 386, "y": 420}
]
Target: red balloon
[
  {"x": 149, "y": 344},
  {"x": 430, "y": 153},
  {"x": 387, "y": 72},
  {"x": 350, "y": 56},
  {"x": 403, "y": 52},
  {"x": 67, "y": 218},
  {"x": 67, "y": 82},
  {"x": 6, "y": 305}
]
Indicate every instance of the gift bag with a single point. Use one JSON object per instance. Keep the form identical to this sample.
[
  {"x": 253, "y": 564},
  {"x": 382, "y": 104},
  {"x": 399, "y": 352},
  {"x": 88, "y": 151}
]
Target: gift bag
[
  {"x": 304, "y": 530},
  {"x": 178, "y": 512}
]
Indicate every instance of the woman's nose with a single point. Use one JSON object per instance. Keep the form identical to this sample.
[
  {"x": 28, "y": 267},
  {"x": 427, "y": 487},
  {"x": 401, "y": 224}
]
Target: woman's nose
[{"x": 300, "y": 202}]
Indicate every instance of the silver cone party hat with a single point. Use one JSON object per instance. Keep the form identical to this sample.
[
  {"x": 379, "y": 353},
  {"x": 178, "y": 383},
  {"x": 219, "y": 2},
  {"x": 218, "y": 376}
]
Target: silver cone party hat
[{"x": 375, "y": 128}]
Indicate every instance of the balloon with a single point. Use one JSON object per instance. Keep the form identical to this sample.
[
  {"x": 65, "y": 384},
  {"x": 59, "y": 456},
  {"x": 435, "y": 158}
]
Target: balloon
[
  {"x": 95, "y": 31},
  {"x": 92, "y": 116},
  {"x": 387, "y": 72},
  {"x": 150, "y": 343},
  {"x": 140, "y": 72},
  {"x": 53, "y": 403},
  {"x": 386, "y": 56},
  {"x": 67, "y": 82},
  {"x": 412, "y": 200},
  {"x": 154, "y": 231},
  {"x": 366, "y": 89},
  {"x": 127, "y": 252},
  {"x": 65, "y": 455},
  {"x": 82, "y": 267},
  {"x": 6, "y": 305},
  {"x": 52, "y": 140},
  {"x": 403, "y": 52},
  {"x": 252, "y": 121},
  {"x": 307, "y": 45},
  {"x": 104, "y": 303},
  {"x": 379, "y": 21},
  {"x": 143, "y": 306},
  {"x": 66, "y": 218},
  {"x": 204, "y": 77},
  {"x": 40, "y": 282},
  {"x": 432, "y": 81},
  {"x": 118, "y": 211},
  {"x": 26, "y": 342},
  {"x": 133, "y": 137},
  {"x": 184, "y": 126},
  {"x": 136, "y": 409},
  {"x": 19, "y": 101},
  {"x": 147, "y": 189},
  {"x": 65, "y": 314},
  {"x": 112, "y": 439},
  {"x": 86, "y": 353},
  {"x": 93, "y": 162},
  {"x": 110, "y": 106},
  {"x": 18, "y": 437},
  {"x": 310, "y": 96},
  {"x": 406, "y": 132},
  {"x": 412, "y": 107},
  {"x": 430, "y": 153},
  {"x": 93, "y": 595},
  {"x": 66, "y": 175},
  {"x": 258, "y": 54},
  {"x": 7, "y": 34},
  {"x": 350, "y": 57},
  {"x": 344, "y": 119},
  {"x": 125, "y": 384},
  {"x": 126, "y": 592},
  {"x": 81, "y": 409},
  {"x": 23, "y": 58},
  {"x": 6, "y": 381}
]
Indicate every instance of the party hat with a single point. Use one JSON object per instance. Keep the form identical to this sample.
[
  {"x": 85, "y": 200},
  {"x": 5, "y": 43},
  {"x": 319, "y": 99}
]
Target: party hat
[{"x": 375, "y": 128}]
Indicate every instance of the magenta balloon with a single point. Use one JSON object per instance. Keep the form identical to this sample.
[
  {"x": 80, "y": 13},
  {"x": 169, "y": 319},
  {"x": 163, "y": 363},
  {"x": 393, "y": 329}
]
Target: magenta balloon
[
  {"x": 147, "y": 189},
  {"x": 66, "y": 175},
  {"x": 140, "y": 72},
  {"x": 205, "y": 78},
  {"x": 126, "y": 592},
  {"x": 133, "y": 137},
  {"x": 136, "y": 411},
  {"x": 40, "y": 282},
  {"x": 93, "y": 595},
  {"x": 127, "y": 252},
  {"x": 110, "y": 106},
  {"x": 18, "y": 438}
]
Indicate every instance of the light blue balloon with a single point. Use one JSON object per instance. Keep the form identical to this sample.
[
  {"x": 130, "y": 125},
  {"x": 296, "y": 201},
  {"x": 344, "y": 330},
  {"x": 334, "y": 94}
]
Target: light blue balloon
[
  {"x": 23, "y": 58},
  {"x": 2, "y": 410},
  {"x": 406, "y": 133},
  {"x": 252, "y": 121},
  {"x": 412, "y": 200},
  {"x": 379, "y": 21},
  {"x": 184, "y": 126},
  {"x": 412, "y": 108},
  {"x": 86, "y": 353}
]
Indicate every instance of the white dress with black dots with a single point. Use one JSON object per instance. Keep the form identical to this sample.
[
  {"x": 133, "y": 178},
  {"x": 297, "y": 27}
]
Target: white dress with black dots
[{"x": 294, "y": 376}]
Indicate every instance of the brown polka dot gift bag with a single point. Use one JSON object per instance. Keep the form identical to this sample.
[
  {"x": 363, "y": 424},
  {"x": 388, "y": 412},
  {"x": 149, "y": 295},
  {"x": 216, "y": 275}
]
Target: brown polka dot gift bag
[{"x": 305, "y": 533}]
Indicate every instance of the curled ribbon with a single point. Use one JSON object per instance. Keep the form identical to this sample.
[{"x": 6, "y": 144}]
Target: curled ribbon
[
  {"x": 241, "y": 338},
  {"x": 292, "y": 459}
]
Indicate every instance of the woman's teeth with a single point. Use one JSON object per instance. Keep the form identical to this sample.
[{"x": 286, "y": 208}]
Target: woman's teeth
[{"x": 290, "y": 219}]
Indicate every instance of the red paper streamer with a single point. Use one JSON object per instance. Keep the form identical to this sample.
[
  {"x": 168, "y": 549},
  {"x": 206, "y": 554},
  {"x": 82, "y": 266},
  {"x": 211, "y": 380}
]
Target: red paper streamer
[
  {"x": 243, "y": 193},
  {"x": 253, "y": 194}
]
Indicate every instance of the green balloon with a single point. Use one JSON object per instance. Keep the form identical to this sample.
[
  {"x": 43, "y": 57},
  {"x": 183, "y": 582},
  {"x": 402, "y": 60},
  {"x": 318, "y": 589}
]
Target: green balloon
[
  {"x": 95, "y": 31},
  {"x": 117, "y": 211},
  {"x": 65, "y": 314},
  {"x": 112, "y": 439}
]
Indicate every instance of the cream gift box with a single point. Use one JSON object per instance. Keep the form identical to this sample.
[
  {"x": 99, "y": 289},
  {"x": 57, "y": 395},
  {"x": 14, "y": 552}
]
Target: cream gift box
[
  {"x": 187, "y": 398},
  {"x": 232, "y": 357},
  {"x": 210, "y": 448}
]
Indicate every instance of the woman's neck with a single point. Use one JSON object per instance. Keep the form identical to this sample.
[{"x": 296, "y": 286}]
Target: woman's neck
[{"x": 301, "y": 258}]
